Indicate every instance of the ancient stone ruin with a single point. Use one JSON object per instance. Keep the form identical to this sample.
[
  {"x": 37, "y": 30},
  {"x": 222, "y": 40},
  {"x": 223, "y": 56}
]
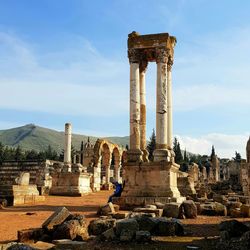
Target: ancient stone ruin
[{"x": 149, "y": 182}]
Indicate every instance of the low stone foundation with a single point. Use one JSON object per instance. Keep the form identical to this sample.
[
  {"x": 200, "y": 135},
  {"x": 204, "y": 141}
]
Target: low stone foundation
[{"x": 71, "y": 184}]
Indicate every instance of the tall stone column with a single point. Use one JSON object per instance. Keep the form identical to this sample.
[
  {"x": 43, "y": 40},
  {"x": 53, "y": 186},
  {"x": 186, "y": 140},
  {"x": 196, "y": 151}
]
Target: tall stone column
[
  {"x": 134, "y": 153},
  {"x": 67, "y": 144},
  {"x": 161, "y": 152},
  {"x": 143, "y": 141},
  {"x": 169, "y": 104}
]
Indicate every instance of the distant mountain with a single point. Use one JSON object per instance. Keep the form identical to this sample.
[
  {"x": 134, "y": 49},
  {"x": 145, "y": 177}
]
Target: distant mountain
[{"x": 38, "y": 138}]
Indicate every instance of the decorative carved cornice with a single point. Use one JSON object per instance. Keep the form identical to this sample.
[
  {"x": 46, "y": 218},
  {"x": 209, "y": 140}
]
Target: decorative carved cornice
[
  {"x": 133, "y": 55},
  {"x": 161, "y": 55}
]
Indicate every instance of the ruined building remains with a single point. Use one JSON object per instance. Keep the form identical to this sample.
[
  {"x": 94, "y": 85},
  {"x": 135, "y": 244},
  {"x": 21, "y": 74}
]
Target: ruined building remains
[{"x": 147, "y": 182}]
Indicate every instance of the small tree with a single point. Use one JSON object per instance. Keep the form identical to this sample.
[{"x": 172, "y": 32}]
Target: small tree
[
  {"x": 151, "y": 146},
  {"x": 18, "y": 154},
  {"x": 212, "y": 153},
  {"x": 237, "y": 157},
  {"x": 177, "y": 151}
]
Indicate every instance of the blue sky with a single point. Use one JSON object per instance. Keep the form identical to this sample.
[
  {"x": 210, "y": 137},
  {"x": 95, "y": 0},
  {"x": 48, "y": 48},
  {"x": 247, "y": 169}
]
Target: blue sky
[{"x": 66, "y": 61}]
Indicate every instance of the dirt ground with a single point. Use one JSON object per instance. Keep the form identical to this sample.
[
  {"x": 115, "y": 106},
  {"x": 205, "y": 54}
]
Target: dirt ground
[{"x": 16, "y": 218}]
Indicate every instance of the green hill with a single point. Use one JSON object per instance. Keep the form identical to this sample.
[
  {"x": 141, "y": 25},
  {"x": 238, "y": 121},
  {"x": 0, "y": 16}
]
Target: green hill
[{"x": 38, "y": 138}]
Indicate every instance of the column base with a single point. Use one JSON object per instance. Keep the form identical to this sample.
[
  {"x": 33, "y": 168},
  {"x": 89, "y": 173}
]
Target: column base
[
  {"x": 145, "y": 155},
  {"x": 134, "y": 155},
  {"x": 162, "y": 155}
]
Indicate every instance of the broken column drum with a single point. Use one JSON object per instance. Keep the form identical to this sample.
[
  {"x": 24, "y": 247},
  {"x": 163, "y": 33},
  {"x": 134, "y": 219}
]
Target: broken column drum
[{"x": 155, "y": 180}]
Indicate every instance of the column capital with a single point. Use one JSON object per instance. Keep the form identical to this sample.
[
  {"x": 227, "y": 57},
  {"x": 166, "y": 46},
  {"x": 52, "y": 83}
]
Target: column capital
[
  {"x": 170, "y": 63},
  {"x": 143, "y": 66},
  {"x": 161, "y": 55},
  {"x": 133, "y": 55}
]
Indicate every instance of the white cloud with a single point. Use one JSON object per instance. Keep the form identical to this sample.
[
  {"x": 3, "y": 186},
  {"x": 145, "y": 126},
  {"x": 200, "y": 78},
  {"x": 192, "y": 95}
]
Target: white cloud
[
  {"x": 225, "y": 145},
  {"x": 82, "y": 83}
]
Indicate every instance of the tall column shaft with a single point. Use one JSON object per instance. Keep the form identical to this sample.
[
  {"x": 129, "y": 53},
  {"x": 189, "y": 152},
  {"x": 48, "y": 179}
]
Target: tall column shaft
[
  {"x": 134, "y": 106},
  {"x": 161, "y": 106},
  {"x": 169, "y": 109},
  {"x": 67, "y": 143},
  {"x": 143, "y": 142}
]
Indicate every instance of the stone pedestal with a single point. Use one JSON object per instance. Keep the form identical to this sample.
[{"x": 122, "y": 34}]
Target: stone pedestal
[
  {"x": 70, "y": 184},
  {"x": 26, "y": 194},
  {"x": 148, "y": 183}
]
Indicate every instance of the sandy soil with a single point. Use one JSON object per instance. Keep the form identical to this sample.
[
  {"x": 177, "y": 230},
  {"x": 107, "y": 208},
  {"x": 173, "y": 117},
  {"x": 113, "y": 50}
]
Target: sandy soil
[{"x": 16, "y": 218}]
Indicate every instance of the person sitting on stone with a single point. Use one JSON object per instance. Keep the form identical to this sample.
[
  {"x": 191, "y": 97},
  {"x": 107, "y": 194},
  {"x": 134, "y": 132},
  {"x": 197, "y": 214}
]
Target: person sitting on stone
[{"x": 117, "y": 192}]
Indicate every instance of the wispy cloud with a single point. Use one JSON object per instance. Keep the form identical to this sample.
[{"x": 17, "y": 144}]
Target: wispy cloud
[
  {"x": 85, "y": 84},
  {"x": 225, "y": 145}
]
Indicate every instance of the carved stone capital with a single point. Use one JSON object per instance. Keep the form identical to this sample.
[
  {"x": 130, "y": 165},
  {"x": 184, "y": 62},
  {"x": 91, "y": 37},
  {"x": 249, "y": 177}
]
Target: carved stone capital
[
  {"x": 143, "y": 65},
  {"x": 133, "y": 56},
  {"x": 170, "y": 63},
  {"x": 161, "y": 55}
]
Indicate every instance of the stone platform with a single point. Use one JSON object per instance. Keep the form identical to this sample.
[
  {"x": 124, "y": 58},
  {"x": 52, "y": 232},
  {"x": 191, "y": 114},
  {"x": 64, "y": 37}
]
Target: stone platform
[
  {"x": 21, "y": 194},
  {"x": 149, "y": 182},
  {"x": 70, "y": 184}
]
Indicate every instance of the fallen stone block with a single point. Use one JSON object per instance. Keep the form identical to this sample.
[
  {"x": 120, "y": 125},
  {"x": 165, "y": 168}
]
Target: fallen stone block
[
  {"x": 71, "y": 230},
  {"x": 58, "y": 217},
  {"x": 98, "y": 226},
  {"x": 165, "y": 227},
  {"x": 127, "y": 224},
  {"x": 138, "y": 214},
  {"x": 127, "y": 235},
  {"x": 142, "y": 236},
  {"x": 172, "y": 209},
  {"x": 29, "y": 235},
  {"x": 151, "y": 206},
  {"x": 234, "y": 228},
  {"x": 156, "y": 211},
  {"x": 120, "y": 215},
  {"x": 106, "y": 209},
  {"x": 190, "y": 209},
  {"x": 147, "y": 223},
  {"x": 108, "y": 235}
]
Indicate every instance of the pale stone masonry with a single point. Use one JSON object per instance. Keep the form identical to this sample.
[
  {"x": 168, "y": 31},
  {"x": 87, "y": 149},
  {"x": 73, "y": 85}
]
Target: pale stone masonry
[
  {"x": 141, "y": 50},
  {"x": 149, "y": 182}
]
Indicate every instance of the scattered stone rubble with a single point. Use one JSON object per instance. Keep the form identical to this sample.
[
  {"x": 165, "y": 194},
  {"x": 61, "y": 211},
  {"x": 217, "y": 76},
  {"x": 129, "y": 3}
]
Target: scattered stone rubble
[{"x": 234, "y": 235}]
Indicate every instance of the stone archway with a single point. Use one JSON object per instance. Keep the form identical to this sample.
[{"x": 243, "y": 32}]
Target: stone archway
[{"x": 104, "y": 151}]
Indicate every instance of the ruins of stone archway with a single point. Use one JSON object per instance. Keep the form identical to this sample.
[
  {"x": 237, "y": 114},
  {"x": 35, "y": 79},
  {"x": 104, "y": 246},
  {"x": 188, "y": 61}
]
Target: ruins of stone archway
[{"x": 104, "y": 152}]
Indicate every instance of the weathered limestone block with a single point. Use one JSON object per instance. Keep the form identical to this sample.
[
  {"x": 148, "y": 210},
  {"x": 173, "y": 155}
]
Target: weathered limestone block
[
  {"x": 23, "y": 179},
  {"x": 120, "y": 215},
  {"x": 172, "y": 210},
  {"x": 58, "y": 217},
  {"x": 72, "y": 184},
  {"x": 108, "y": 234},
  {"x": 168, "y": 227},
  {"x": 186, "y": 185},
  {"x": 130, "y": 225},
  {"x": 233, "y": 227},
  {"x": 26, "y": 194},
  {"x": 190, "y": 209},
  {"x": 29, "y": 235},
  {"x": 98, "y": 226},
  {"x": 146, "y": 223},
  {"x": 106, "y": 209},
  {"x": 142, "y": 236},
  {"x": 157, "y": 212},
  {"x": 72, "y": 230}
]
